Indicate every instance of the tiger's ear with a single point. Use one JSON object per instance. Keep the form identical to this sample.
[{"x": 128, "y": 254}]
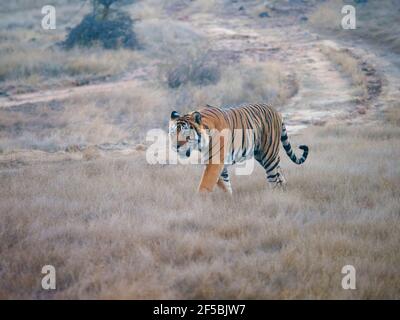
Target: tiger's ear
[
  {"x": 174, "y": 115},
  {"x": 197, "y": 117}
]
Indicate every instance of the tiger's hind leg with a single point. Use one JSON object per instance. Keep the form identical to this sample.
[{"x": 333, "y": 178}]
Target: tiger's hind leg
[
  {"x": 224, "y": 182},
  {"x": 274, "y": 173}
]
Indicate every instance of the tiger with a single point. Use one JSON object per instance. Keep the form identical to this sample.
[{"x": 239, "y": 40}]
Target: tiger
[{"x": 198, "y": 130}]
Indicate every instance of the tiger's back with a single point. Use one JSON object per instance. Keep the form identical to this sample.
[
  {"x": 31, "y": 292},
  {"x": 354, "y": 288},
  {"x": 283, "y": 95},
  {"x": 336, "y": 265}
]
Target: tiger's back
[{"x": 255, "y": 130}]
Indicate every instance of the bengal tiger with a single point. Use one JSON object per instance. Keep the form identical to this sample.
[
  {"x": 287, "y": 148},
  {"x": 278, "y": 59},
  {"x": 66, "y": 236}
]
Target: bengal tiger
[{"x": 199, "y": 130}]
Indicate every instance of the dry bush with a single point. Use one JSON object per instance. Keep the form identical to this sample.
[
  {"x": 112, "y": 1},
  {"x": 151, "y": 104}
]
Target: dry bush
[
  {"x": 199, "y": 69},
  {"x": 109, "y": 28},
  {"x": 121, "y": 228}
]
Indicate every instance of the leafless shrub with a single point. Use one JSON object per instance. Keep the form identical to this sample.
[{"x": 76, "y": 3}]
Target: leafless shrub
[{"x": 197, "y": 70}]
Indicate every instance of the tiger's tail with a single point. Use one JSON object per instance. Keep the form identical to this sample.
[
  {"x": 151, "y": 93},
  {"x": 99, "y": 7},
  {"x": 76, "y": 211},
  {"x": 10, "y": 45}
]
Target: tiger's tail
[{"x": 288, "y": 148}]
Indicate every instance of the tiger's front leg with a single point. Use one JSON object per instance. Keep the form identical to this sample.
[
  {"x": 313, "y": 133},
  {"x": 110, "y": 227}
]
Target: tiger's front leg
[
  {"x": 223, "y": 182},
  {"x": 210, "y": 177}
]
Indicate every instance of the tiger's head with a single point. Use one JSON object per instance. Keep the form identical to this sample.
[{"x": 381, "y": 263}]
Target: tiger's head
[{"x": 185, "y": 133}]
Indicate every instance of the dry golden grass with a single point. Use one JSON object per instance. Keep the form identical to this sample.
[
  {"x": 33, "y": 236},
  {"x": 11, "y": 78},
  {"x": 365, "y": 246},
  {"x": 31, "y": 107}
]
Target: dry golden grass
[
  {"x": 20, "y": 64},
  {"x": 120, "y": 228},
  {"x": 103, "y": 116},
  {"x": 392, "y": 114}
]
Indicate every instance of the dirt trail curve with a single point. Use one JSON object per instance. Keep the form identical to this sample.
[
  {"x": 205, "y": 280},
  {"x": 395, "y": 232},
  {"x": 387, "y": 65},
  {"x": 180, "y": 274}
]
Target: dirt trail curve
[
  {"x": 8, "y": 101},
  {"x": 324, "y": 92}
]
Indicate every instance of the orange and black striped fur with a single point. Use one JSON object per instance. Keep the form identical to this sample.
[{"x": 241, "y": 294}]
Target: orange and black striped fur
[{"x": 262, "y": 131}]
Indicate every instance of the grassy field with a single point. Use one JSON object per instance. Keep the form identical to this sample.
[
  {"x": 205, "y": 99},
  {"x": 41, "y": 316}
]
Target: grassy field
[
  {"x": 77, "y": 193},
  {"x": 121, "y": 228}
]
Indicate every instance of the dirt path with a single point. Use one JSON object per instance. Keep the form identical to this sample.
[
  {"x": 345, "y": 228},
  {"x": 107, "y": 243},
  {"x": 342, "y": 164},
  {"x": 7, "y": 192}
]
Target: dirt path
[{"x": 129, "y": 81}]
